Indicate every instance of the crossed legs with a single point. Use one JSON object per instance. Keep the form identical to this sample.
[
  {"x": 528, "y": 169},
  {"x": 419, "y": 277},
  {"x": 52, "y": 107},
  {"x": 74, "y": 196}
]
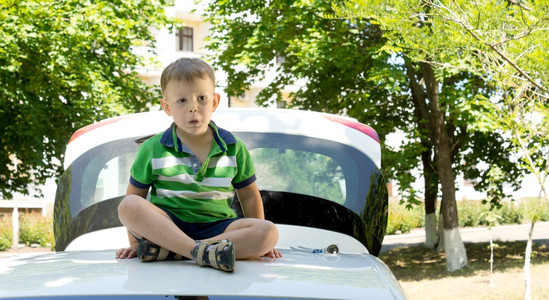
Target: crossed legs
[{"x": 251, "y": 237}]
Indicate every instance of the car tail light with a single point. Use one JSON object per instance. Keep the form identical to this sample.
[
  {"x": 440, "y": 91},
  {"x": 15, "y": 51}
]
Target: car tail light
[
  {"x": 369, "y": 131},
  {"x": 93, "y": 126}
]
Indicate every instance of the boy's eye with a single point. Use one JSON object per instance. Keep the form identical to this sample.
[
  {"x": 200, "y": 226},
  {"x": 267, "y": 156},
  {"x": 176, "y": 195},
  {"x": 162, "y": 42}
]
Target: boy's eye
[
  {"x": 182, "y": 100},
  {"x": 201, "y": 98}
]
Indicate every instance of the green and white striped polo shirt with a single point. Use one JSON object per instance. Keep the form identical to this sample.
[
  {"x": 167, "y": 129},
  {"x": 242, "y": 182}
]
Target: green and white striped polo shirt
[{"x": 194, "y": 192}]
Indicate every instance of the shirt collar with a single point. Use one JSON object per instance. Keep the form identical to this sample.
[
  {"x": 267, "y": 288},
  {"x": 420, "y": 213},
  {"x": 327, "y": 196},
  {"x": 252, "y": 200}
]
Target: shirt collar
[{"x": 221, "y": 136}]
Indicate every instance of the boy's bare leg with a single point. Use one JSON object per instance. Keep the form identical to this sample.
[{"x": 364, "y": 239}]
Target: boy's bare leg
[
  {"x": 252, "y": 238},
  {"x": 143, "y": 219}
]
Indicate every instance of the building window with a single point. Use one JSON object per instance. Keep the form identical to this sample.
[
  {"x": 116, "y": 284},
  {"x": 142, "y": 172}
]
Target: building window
[
  {"x": 280, "y": 59},
  {"x": 184, "y": 39}
]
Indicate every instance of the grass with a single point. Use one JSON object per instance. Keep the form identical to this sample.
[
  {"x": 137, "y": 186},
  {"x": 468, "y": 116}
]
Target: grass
[{"x": 422, "y": 272}]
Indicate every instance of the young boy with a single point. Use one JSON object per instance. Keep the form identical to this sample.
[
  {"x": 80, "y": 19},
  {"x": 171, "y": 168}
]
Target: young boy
[{"x": 194, "y": 168}]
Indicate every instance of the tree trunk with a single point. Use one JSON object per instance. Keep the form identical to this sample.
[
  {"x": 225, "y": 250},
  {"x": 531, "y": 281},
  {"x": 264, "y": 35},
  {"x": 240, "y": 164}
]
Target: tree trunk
[
  {"x": 440, "y": 246},
  {"x": 431, "y": 235},
  {"x": 431, "y": 188},
  {"x": 527, "y": 257},
  {"x": 421, "y": 113},
  {"x": 431, "y": 122},
  {"x": 491, "y": 257},
  {"x": 456, "y": 257}
]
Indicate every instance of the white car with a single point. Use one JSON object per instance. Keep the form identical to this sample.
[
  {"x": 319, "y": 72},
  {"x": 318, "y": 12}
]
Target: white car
[{"x": 320, "y": 179}]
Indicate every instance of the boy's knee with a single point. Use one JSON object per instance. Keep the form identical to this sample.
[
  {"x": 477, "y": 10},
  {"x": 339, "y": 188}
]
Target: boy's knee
[
  {"x": 271, "y": 227},
  {"x": 269, "y": 231},
  {"x": 128, "y": 207}
]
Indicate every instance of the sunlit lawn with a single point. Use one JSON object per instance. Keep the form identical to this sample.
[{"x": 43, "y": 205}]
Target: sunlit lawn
[{"x": 422, "y": 272}]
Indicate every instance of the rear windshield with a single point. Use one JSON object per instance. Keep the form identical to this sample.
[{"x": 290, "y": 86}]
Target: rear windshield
[{"x": 287, "y": 163}]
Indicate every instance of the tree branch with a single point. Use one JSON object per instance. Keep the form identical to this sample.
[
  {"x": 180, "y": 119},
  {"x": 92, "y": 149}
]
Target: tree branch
[
  {"x": 519, "y": 4},
  {"x": 459, "y": 141},
  {"x": 455, "y": 19}
]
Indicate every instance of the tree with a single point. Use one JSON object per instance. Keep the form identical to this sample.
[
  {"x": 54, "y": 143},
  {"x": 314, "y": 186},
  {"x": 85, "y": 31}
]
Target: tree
[
  {"x": 527, "y": 120},
  {"x": 350, "y": 66},
  {"x": 504, "y": 42},
  {"x": 514, "y": 62},
  {"x": 65, "y": 64}
]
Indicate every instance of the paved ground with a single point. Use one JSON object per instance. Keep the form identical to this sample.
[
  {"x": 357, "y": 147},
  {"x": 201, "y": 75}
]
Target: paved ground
[{"x": 474, "y": 235}]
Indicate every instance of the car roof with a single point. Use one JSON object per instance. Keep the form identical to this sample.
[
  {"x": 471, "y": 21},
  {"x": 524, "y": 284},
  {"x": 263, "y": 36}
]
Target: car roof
[{"x": 294, "y": 122}]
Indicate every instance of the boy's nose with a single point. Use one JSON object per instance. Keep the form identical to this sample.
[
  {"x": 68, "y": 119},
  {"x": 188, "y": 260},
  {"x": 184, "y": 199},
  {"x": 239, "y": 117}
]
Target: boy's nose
[{"x": 193, "y": 107}]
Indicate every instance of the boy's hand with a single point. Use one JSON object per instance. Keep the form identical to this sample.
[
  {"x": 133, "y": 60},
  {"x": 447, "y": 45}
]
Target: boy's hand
[
  {"x": 124, "y": 253},
  {"x": 273, "y": 254}
]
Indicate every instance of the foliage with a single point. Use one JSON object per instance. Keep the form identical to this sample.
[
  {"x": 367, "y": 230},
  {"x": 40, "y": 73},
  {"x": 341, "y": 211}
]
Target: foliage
[
  {"x": 65, "y": 64},
  {"x": 536, "y": 210},
  {"x": 299, "y": 172},
  {"x": 350, "y": 66},
  {"x": 526, "y": 118},
  {"x": 36, "y": 229},
  {"x": 6, "y": 233},
  {"x": 250, "y": 39},
  {"x": 33, "y": 229},
  {"x": 462, "y": 34},
  {"x": 471, "y": 214},
  {"x": 501, "y": 43},
  {"x": 404, "y": 218}
]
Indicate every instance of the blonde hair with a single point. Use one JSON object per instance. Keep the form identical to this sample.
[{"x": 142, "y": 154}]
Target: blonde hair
[{"x": 186, "y": 69}]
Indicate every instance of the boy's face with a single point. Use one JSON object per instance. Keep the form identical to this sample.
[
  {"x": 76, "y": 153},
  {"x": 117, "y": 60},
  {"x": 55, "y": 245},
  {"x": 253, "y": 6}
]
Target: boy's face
[{"x": 190, "y": 104}]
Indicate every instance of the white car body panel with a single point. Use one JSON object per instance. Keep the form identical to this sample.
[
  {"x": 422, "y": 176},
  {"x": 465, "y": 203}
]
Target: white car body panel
[
  {"x": 353, "y": 274},
  {"x": 289, "y": 236}
]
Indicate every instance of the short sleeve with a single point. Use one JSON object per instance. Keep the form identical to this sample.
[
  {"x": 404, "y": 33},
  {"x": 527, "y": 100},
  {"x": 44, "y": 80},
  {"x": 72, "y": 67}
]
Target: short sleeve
[
  {"x": 245, "y": 174},
  {"x": 142, "y": 175}
]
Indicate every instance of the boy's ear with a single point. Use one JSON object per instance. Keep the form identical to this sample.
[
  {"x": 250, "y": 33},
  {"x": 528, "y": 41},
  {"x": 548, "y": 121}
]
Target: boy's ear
[
  {"x": 166, "y": 107},
  {"x": 216, "y": 100}
]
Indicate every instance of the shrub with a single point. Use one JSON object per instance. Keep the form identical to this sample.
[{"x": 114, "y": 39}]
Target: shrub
[
  {"x": 6, "y": 234},
  {"x": 533, "y": 207},
  {"x": 470, "y": 213},
  {"x": 403, "y": 218},
  {"x": 511, "y": 213},
  {"x": 475, "y": 213},
  {"x": 35, "y": 229},
  {"x": 394, "y": 222},
  {"x": 544, "y": 217}
]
